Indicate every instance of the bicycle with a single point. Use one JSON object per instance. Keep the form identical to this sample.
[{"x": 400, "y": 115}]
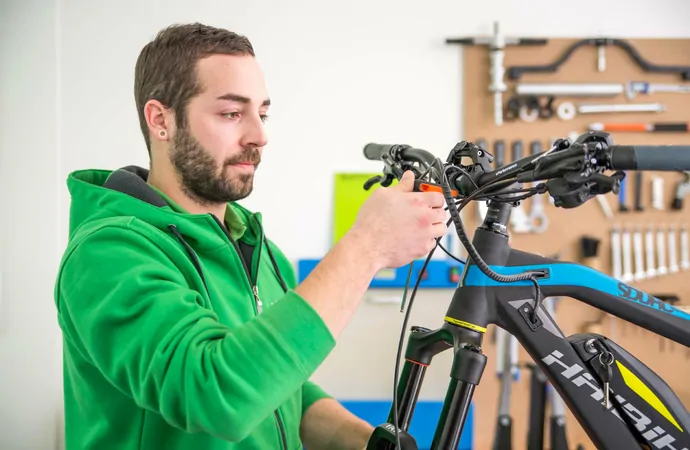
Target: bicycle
[{"x": 620, "y": 403}]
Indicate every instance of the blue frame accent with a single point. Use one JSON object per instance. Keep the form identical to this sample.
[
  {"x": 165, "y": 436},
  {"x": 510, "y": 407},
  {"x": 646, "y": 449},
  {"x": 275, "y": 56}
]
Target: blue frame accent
[{"x": 568, "y": 274}]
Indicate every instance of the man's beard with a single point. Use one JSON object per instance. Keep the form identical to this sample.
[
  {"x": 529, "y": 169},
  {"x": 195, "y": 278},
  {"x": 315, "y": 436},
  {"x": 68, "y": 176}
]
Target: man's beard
[{"x": 200, "y": 177}]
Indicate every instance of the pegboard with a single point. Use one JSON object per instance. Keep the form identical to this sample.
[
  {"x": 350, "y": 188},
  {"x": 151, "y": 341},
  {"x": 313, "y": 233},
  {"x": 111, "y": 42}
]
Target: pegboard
[{"x": 566, "y": 226}]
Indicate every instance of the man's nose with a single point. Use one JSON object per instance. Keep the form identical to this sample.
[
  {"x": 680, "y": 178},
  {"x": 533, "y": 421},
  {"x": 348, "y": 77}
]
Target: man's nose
[{"x": 255, "y": 133}]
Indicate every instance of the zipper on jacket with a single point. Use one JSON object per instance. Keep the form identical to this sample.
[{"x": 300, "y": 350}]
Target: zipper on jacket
[
  {"x": 259, "y": 305},
  {"x": 252, "y": 283},
  {"x": 283, "y": 438}
]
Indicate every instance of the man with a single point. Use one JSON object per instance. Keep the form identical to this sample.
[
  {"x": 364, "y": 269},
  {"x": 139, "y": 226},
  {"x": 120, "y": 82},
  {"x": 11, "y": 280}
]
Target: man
[{"x": 184, "y": 326}]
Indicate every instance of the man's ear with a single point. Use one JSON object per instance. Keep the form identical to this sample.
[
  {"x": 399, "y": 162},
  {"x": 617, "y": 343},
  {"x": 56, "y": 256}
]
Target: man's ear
[{"x": 160, "y": 120}]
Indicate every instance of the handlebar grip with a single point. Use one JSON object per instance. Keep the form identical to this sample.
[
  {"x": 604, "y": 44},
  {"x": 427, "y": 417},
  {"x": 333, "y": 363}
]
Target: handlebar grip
[
  {"x": 374, "y": 151},
  {"x": 672, "y": 158}
]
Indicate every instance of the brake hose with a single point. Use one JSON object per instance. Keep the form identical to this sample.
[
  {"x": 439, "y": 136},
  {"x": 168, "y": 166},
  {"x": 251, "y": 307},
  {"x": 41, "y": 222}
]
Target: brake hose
[{"x": 472, "y": 251}]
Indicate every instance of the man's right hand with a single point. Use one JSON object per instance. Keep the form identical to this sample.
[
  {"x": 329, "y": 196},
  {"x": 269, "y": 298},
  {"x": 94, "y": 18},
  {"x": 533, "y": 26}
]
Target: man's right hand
[
  {"x": 394, "y": 227},
  {"x": 398, "y": 225}
]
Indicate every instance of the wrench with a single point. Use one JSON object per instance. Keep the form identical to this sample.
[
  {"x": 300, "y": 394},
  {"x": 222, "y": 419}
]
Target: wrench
[
  {"x": 537, "y": 218},
  {"x": 641, "y": 87},
  {"x": 661, "y": 252},
  {"x": 627, "y": 257},
  {"x": 640, "y": 273},
  {"x": 672, "y": 254},
  {"x": 658, "y": 193},
  {"x": 518, "y": 218},
  {"x": 684, "y": 250},
  {"x": 616, "y": 254},
  {"x": 649, "y": 251}
]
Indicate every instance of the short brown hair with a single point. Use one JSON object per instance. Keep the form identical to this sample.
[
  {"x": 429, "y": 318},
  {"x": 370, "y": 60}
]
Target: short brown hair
[{"x": 166, "y": 67}]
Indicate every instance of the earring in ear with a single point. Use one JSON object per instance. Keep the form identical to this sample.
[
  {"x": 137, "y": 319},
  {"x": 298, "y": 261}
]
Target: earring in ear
[{"x": 162, "y": 133}]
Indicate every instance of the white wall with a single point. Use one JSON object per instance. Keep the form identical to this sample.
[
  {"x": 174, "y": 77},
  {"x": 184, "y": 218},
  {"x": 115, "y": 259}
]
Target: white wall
[{"x": 338, "y": 77}]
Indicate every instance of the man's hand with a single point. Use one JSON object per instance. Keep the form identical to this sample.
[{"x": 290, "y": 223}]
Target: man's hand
[
  {"x": 328, "y": 425},
  {"x": 399, "y": 225},
  {"x": 394, "y": 227}
]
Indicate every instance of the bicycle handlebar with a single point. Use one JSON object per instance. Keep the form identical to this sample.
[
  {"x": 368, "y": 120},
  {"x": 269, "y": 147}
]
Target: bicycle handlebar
[{"x": 650, "y": 157}]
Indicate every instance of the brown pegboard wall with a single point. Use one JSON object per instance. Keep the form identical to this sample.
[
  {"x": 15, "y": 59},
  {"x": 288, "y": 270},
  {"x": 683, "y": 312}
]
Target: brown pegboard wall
[{"x": 671, "y": 361}]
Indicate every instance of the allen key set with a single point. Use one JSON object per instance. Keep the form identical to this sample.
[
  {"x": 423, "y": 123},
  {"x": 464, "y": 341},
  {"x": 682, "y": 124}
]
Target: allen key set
[{"x": 644, "y": 252}]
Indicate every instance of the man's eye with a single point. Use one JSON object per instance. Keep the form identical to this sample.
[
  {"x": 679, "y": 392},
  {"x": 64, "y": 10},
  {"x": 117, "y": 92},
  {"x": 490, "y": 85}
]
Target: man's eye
[
  {"x": 232, "y": 115},
  {"x": 264, "y": 118}
]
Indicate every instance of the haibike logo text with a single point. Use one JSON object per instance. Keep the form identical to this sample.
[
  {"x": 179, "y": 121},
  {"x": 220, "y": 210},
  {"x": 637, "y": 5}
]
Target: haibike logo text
[
  {"x": 633, "y": 294},
  {"x": 506, "y": 169},
  {"x": 660, "y": 438}
]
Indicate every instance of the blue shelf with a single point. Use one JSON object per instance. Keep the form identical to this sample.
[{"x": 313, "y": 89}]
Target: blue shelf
[
  {"x": 424, "y": 420},
  {"x": 440, "y": 274}
]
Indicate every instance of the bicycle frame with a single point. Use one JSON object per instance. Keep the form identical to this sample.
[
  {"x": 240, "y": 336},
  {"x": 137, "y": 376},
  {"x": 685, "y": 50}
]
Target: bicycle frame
[{"x": 566, "y": 361}]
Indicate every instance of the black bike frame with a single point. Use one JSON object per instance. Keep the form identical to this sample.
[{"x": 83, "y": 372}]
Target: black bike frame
[{"x": 568, "y": 362}]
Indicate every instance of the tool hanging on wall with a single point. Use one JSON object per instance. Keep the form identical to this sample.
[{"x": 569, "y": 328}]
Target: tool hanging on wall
[
  {"x": 658, "y": 127},
  {"x": 519, "y": 220},
  {"x": 661, "y": 253},
  {"x": 620, "y": 108},
  {"x": 658, "y": 193},
  {"x": 570, "y": 89},
  {"x": 537, "y": 218},
  {"x": 673, "y": 266},
  {"x": 626, "y": 239},
  {"x": 681, "y": 191},
  {"x": 638, "y": 191},
  {"x": 514, "y": 73},
  {"x": 684, "y": 249},
  {"x": 497, "y": 43},
  {"x": 642, "y": 87},
  {"x": 640, "y": 273},
  {"x": 616, "y": 260},
  {"x": 649, "y": 252}
]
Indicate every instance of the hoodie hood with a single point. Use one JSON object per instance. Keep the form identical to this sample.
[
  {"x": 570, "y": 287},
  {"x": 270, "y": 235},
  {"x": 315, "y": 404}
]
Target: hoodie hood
[{"x": 102, "y": 194}]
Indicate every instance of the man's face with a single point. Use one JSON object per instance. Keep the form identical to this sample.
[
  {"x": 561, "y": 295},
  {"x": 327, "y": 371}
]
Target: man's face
[{"x": 218, "y": 150}]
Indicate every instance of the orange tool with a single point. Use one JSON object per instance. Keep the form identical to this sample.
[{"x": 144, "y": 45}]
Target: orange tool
[{"x": 641, "y": 127}]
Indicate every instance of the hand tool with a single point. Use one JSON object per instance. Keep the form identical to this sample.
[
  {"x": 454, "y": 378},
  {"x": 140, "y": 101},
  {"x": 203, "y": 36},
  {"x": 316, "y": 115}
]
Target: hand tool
[
  {"x": 661, "y": 252},
  {"x": 638, "y": 191},
  {"x": 616, "y": 271},
  {"x": 627, "y": 276},
  {"x": 538, "y": 220},
  {"x": 682, "y": 189},
  {"x": 570, "y": 89},
  {"x": 640, "y": 273},
  {"x": 497, "y": 43},
  {"x": 684, "y": 250},
  {"x": 514, "y": 73},
  {"x": 605, "y": 206},
  {"x": 641, "y": 127},
  {"x": 518, "y": 218},
  {"x": 499, "y": 153},
  {"x": 658, "y": 193},
  {"x": 620, "y": 108},
  {"x": 589, "y": 247},
  {"x": 672, "y": 251},
  {"x": 633, "y": 88},
  {"x": 649, "y": 252},
  {"x": 622, "y": 207},
  {"x": 566, "y": 111}
]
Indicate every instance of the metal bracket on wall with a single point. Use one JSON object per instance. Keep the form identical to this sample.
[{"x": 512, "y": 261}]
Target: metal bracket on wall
[{"x": 514, "y": 73}]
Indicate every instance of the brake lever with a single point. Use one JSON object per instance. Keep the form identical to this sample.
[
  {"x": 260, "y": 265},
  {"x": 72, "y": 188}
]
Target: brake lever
[{"x": 372, "y": 181}]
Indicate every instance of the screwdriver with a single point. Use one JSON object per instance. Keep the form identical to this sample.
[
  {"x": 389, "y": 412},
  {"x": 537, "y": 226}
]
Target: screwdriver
[{"x": 683, "y": 127}]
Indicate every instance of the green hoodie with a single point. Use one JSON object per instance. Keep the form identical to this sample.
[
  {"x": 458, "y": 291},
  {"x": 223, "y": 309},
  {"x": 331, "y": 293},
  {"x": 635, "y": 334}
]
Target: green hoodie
[{"x": 171, "y": 341}]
